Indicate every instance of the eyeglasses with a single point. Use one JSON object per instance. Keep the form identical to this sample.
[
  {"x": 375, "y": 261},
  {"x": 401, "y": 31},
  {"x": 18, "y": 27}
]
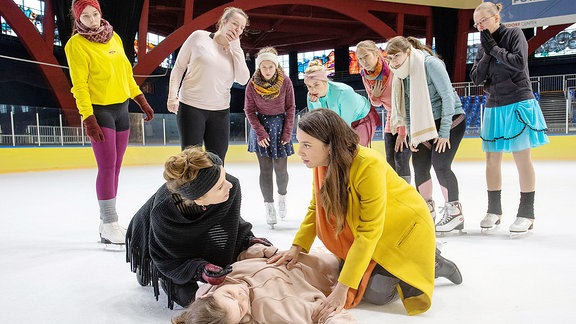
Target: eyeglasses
[{"x": 482, "y": 21}]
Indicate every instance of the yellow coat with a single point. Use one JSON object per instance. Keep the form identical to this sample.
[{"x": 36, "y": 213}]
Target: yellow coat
[{"x": 391, "y": 224}]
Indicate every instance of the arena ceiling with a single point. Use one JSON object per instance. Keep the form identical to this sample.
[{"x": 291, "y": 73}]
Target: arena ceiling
[{"x": 308, "y": 25}]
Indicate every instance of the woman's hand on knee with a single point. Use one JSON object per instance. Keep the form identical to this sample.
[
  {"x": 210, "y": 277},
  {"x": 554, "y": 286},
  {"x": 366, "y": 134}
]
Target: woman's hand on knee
[
  {"x": 401, "y": 142},
  {"x": 442, "y": 144}
]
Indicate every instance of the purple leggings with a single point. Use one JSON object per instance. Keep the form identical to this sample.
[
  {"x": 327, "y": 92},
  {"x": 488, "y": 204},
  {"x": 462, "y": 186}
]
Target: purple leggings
[
  {"x": 114, "y": 122},
  {"x": 109, "y": 155}
]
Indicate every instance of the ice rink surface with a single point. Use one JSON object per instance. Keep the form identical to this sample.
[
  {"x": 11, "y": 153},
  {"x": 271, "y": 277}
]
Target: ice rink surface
[{"x": 53, "y": 270}]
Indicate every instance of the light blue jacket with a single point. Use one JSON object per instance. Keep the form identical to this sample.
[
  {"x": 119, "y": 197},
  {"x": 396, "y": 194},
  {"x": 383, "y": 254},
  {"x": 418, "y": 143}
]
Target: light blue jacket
[{"x": 343, "y": 100}]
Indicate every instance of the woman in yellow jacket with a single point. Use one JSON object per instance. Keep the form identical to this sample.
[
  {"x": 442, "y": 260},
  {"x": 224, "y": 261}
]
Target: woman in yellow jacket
[{"x": 369, "y": 217}]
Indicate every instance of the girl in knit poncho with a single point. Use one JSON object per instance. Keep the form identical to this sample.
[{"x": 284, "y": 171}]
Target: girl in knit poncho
[{"x": 190, "y": 230}]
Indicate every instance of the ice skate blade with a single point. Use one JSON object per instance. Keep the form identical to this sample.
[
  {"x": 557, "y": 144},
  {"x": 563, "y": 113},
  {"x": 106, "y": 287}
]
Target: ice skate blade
[
  {"x": 451, "y": 233},
  {"x": 514, "y": 235},
  {"x": 489, "y": 230},
  {"x": 110, "y": 246},
  {"x": 114, "y": 247}
]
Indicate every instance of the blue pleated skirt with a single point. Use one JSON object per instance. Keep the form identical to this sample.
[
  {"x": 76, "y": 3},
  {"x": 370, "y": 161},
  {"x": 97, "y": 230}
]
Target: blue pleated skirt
[
  {"x": 514, "y": 127},
  {"x": 274, "y": 125}
]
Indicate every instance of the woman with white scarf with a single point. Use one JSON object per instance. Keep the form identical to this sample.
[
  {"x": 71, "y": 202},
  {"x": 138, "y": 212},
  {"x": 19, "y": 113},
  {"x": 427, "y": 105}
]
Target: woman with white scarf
[
  {"x": 377, "y": 79},
  {"x": 435, "y": 119}
]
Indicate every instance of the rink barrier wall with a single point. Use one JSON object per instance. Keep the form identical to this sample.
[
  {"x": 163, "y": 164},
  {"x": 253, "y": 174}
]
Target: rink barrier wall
[{"x": 28, "y": 159}]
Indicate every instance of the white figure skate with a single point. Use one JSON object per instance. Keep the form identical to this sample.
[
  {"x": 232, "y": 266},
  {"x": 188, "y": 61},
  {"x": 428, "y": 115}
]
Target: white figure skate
[
  {"x": 521, "y": 226},
  {"x": 490, "y": 222},
  {"x": 282, "y": 211},
  {"x": 452, "y": 219},
  {"x": 112, "y": 235},
  {"x": 270, "y": 214}
]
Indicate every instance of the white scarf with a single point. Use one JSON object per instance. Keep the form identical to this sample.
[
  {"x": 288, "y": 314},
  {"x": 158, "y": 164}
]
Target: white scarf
[{"x": 422, "y": 126}]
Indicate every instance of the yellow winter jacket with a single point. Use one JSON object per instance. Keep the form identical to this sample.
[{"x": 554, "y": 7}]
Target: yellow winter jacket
[
  {"x": 391, "y": 224},
  {"x": 101, "y": 73}
]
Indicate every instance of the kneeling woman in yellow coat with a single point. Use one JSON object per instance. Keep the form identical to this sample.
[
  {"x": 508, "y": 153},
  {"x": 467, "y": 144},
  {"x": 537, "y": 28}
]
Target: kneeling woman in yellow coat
[{"x": 369, "y": 217}]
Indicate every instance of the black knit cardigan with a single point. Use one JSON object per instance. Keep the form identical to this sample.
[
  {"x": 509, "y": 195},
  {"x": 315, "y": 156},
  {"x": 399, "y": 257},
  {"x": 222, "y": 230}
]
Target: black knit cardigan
[{"x": 173, "y": 241}]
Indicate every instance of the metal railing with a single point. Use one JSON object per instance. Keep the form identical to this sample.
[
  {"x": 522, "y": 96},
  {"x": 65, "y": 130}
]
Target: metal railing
[{"x": 41, "y": 126}]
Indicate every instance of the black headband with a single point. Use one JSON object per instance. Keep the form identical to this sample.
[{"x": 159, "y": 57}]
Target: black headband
[{"x": 204, "y": 181}]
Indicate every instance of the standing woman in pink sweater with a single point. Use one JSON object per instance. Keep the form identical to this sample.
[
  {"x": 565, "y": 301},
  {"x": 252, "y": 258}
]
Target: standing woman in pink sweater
[
  {"x": 200, "y": 82},
  {"x": 270, "y": 106},
  {"x": 377, "y": 79}
]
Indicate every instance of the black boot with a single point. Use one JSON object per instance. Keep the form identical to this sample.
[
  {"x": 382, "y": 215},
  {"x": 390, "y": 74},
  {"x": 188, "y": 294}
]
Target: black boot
[{"x": 447, "y": 269}]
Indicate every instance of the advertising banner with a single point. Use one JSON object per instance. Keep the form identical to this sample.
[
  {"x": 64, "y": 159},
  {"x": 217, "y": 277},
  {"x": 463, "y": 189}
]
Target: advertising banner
[{"x": 537, "y": 13}]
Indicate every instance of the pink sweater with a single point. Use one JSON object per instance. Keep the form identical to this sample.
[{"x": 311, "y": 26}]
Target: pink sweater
[{"x": 210, "y": 72}]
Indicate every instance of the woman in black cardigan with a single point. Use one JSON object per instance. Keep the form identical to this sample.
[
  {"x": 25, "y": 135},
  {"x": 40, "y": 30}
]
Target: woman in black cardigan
[{"x": 190, "y": 230}]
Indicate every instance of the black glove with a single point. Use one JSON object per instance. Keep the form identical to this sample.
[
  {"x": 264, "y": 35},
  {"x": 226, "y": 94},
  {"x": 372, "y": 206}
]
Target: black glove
[
  {"x": 487, "y": 41},
  {"x": 214, "y": 274},
  {"x": 261, "y": 240}
]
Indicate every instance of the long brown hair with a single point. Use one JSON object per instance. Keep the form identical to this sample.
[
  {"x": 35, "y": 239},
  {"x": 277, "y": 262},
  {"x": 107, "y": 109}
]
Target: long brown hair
[{"x": 326, "y": 126}]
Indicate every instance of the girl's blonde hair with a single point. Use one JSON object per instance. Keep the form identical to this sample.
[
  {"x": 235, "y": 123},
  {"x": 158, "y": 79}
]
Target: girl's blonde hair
[
  {"x": 205, "y": 310},
  {"x": 490, "y": 7},
  {"x": 369, "y": 46}
]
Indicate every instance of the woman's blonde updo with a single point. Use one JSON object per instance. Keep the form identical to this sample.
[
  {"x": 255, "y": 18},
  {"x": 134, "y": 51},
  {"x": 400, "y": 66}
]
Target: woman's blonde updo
[
  {"x": 184, "y": 166},
  {"x": 314, "y": 66}
]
